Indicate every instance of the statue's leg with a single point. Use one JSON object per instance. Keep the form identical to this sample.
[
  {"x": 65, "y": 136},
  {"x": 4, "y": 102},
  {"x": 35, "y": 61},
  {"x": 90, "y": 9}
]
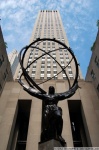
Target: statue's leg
[
  {"x": 44, "y": 134},
  {"x": 59, "y": 125}
]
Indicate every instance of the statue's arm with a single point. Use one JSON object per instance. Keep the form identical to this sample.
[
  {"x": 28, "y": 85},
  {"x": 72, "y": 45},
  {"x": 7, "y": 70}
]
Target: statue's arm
[
  {"x": 67, "y": 94},
  {"x": 34, "y": 93}
]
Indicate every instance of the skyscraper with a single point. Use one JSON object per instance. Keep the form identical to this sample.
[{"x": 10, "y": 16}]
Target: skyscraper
[
  {"x": 21, "y": 114},
  {"x": 14, "y": 61},
  {"x": 49, "y": 25}
]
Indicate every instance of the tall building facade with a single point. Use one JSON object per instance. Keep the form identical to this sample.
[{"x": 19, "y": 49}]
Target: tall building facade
[
  {"x": 49, "y": 25},
  {"x": 21, "y": 114},
  {"x": 5, "y": 70},
  {"x": 93, "y": 68}
]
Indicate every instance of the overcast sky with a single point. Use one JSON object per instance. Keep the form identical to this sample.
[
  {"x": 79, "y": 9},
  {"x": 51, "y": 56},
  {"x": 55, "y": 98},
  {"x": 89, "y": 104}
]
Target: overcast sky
[{"x": 79, "y": 19}]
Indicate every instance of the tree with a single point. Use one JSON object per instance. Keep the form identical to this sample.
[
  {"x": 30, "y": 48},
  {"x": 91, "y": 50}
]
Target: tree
[
  {"x": 6, "y": 44},
  {"x": 98, "y": 23}
]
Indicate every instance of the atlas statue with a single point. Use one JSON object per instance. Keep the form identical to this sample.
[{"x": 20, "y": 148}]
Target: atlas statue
[{"x": 52, "y": 113}]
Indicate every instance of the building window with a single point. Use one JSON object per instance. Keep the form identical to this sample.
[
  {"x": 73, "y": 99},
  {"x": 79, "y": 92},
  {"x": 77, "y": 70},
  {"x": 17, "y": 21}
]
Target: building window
[
  {"x": 48, "y": 75},
  {"x": 43, "y": 59},
  {"x": 48, "y": 49},
  {"x": 48, "y": 72},
  {"x": 70, "y": 72},
  {"x": 98, "y": 88},
  {"x": 42, "y": 66},
  {"x": 27, "y": 71},
  {"x": 48, "y": 62},
  {"x": 42, "y": 75},
  {"x": 36, "y": 49},
  {"x": 48, "y": 59},
  {"x": 62, "y": 62},
  {"x": 0, "y": 62},
  {"x": 33, "y": 72},
  {"x": 48, "y": 43},
  {"x": 42, "y": 72},
  {"x": 54, "y": 66},
  {"x": 43, "y": 62},
  {"x": 93, "y": 74},
  {"x": 67, "y": 57},
  {"x": 69, "y": 67},
  {"x": 34, "y": 66},
  {"x": 0, "y": 87},
  {"x": 62, "y": 65},
  {"x": 64, "y": 76},
  {"x": 41, "y": 78},
  {"x": 55, "y": 71},
  {"x": 71, "y": 77},
  {"x": 61, "y": 57},
  {"x": 55, "y": 77},
  {"x": 48, "y": 66}
]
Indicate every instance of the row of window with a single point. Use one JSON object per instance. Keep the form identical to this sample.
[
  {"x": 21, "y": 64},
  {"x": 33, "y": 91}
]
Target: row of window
[
  {"x": 52, "y": 35},
  {"x": 48, "y": 57},
  {"x": 49, "y": 76},
  {"x": 48, "y": 11},
  {"x": 49, "y": 71},
  {"x": 48, "y": 63},
  {"x": 35, "y": 51}
]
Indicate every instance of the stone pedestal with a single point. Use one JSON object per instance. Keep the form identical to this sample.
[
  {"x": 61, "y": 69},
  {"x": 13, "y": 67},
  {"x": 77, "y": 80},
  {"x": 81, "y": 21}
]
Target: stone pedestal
[{"x": 49, "y": 145}]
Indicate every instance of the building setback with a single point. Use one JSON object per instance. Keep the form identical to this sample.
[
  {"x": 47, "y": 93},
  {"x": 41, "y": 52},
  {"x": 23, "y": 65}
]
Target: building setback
[
  {"x": 14, "y": 61},
  {"x": 21, "y": 114}
]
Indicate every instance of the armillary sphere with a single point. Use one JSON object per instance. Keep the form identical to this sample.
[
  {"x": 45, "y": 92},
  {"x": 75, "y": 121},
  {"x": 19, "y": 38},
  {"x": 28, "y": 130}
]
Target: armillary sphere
[{"x": 31, "y": 84}]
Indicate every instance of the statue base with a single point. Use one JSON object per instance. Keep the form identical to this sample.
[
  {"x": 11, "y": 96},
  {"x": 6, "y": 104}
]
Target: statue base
[{"x": 49, "y": 145}]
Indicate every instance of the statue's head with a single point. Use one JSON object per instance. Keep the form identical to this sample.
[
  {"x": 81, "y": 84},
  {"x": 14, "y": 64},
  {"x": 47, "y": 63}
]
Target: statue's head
[{"x": 51, "y": 90}]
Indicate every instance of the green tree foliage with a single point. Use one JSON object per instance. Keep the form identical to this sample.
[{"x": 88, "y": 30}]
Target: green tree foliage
[
  {"x": 92, "y": 47},
  {"x": 98, "y": 23},
  {"x": 6, "y": 44}
]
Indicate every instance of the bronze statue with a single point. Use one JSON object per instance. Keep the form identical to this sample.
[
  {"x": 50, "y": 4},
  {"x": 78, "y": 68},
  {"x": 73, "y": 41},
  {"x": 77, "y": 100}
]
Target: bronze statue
[{"x": 52, "y": 114}]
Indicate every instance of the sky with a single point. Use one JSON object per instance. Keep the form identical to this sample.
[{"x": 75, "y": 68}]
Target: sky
[{"x": 79, "y": 19}]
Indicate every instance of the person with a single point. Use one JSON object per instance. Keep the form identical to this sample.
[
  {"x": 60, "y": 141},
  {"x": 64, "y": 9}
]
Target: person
[{"x": 52, "y": 114}]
